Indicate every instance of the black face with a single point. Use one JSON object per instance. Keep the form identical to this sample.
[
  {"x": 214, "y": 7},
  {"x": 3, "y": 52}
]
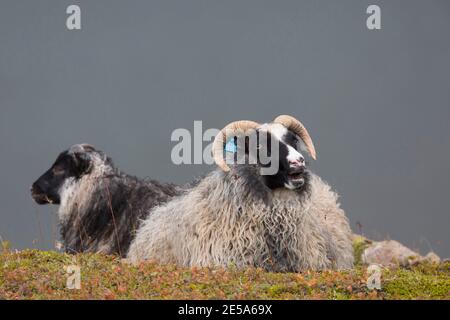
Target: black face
[
  {"x": 68, "y": 164},
  {"x": 291, "y": 172}
]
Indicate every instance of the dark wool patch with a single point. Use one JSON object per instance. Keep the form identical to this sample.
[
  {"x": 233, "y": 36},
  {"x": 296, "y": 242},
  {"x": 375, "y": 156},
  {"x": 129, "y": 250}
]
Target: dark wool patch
[{"x": 112, "y": 215}]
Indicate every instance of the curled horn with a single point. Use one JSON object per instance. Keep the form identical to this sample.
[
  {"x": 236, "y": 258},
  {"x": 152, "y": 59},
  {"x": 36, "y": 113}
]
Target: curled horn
[
  {"x": 298, "y": 128},
  {"x": 221, "y": 138}
]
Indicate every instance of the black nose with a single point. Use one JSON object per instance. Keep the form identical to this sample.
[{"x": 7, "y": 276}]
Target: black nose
[{"x": 35, "y": 189}]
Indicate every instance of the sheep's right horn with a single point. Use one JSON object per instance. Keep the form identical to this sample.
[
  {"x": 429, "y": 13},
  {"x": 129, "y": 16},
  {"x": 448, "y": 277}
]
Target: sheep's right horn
[
  {"x": 221, "y": 138},
  {"x": 298, "y": 128}
]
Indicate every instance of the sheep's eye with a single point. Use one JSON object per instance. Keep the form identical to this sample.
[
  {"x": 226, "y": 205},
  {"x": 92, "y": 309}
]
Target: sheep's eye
[
  {"x": 58, "y": 170},
  {"x": 295, "y": 140}
]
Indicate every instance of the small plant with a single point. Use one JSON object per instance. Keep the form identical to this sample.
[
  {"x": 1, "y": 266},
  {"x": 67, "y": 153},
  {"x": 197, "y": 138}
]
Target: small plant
[
  {"x": 4, "y": 245},
  {"x": 34, "y": 274}
]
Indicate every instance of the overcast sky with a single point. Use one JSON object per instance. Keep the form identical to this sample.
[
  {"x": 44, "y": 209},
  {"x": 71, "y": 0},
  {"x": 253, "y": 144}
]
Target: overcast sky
[{"x": 376, "y": 102}]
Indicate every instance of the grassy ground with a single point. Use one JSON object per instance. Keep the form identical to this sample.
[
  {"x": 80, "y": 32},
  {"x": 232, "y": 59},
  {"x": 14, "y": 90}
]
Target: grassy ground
[{"x": 33, "y": 274}]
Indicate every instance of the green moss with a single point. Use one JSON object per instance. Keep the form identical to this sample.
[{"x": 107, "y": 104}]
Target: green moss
[
  {"x": 427, "y": 281},
  {"x": 33, "y": 274},
  {"x": 360, "y": 243}
]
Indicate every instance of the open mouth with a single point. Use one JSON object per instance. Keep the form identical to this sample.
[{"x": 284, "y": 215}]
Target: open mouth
[
  {"x": 296, "y": 177},
  {"x": 41, "y": 198}
]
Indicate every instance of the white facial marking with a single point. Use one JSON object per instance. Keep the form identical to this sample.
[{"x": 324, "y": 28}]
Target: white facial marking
[
  {"x": 66, "y": 193},
  {"x": 294, "y": 155},
  {"x": 279, "y": 131},
  {"x": 276, "y": 129},
  {"x": 76, "y": 193}
]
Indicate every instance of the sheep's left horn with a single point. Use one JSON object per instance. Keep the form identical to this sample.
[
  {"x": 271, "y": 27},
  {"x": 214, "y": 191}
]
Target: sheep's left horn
[
  {"x": 298, "y": 128},
  {"x": 221, "y": 138}
]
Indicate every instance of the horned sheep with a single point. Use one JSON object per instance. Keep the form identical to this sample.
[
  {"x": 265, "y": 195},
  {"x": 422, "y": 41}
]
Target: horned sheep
[{"x": 287, "y": 221}]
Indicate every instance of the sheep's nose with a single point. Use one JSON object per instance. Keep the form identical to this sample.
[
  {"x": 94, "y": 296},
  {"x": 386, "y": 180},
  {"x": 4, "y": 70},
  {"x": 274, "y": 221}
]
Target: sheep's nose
[
  {"x": 297, "y": 162},
  {"x": 35, "y": 188}
]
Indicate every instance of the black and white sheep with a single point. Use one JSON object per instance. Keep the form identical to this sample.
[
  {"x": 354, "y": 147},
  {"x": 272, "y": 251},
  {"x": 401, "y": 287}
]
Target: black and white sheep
[
  {"x": 287, "y": 221},
  {"x": 100, "y": 207}
]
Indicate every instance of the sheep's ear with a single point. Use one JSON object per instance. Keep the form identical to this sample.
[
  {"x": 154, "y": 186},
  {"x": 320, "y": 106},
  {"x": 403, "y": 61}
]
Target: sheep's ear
[{"x": 83, "y": 162}]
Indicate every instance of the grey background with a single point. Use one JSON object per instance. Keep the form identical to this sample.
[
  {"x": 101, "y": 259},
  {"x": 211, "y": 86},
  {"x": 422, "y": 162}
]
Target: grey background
[{"x": 377, "y": 103}]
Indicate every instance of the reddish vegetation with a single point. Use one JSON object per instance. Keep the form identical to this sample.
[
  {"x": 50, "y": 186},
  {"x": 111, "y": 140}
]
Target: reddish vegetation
[{"x": 33, "y": 274}]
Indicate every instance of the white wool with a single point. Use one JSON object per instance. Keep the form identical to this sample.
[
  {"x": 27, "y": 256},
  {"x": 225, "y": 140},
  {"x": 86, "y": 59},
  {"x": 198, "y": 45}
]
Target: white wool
[
  {"x": 217, "y": 223},
  {"x": 74, "y": 193}
]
